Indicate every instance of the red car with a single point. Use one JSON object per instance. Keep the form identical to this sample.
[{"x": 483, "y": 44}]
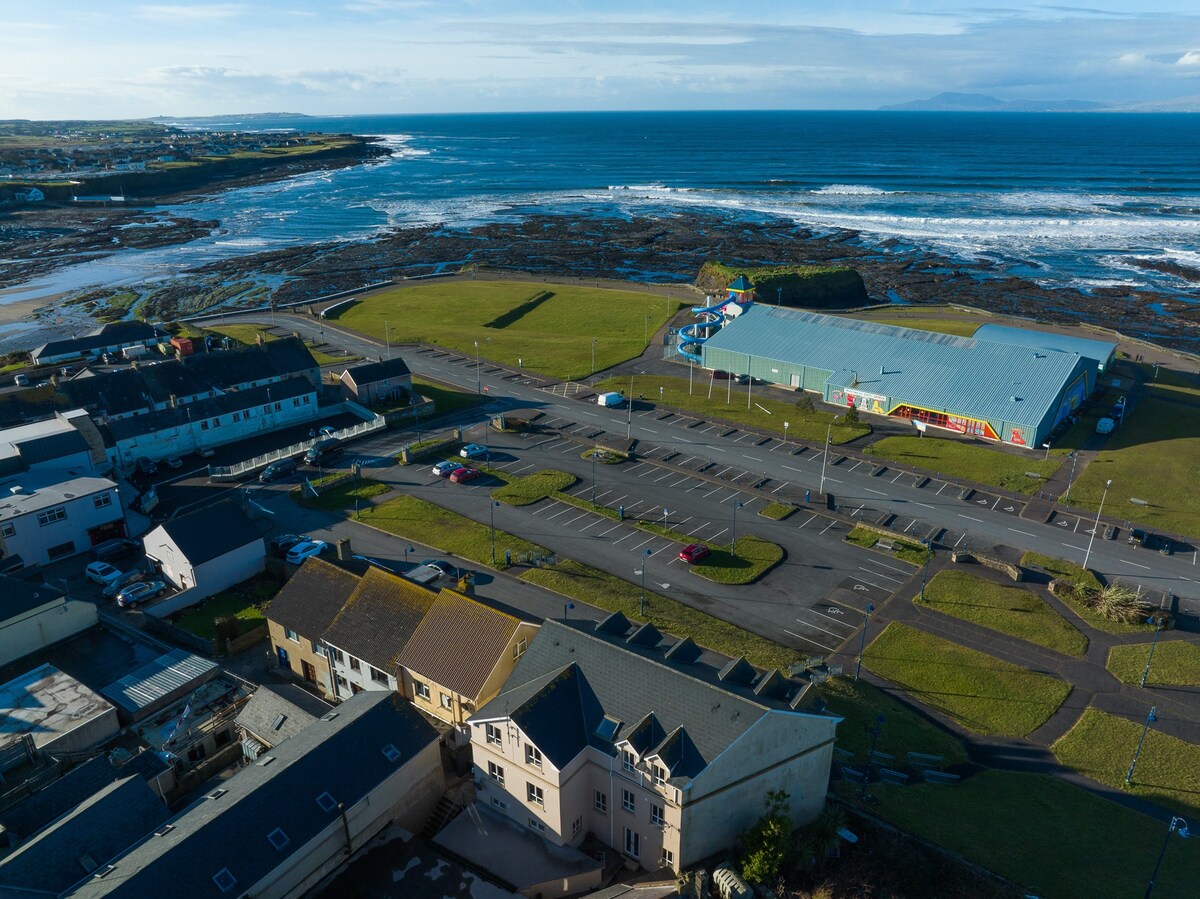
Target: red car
[
  {"x": 693, "y": 553},
  {"x": 462, "y": 475}
]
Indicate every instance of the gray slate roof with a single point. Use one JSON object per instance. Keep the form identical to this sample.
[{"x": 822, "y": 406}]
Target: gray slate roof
[
  {"x": 312, "y": 597},
  {"x": 340, "y": 754},
  {"x": 112, "y": 334},
  {"x": 18, "y": 597},
  {"x": 212, "y": 531},
  {"x": 371, "y": 372},
  {"x": 273, "y": 713},
  {"x": 938, "y": 371}
]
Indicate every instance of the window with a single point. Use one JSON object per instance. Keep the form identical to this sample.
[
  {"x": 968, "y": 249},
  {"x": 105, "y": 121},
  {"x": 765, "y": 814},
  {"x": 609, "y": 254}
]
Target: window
[
  {"x": 222, "y": 738},
  {"x": 533, "y": 756},
  {"x": 627, "y": 760},
  {"x": 537, "y": 825},
  {"x": 341, "y": 681},
  {"x": 291, "y": 635},
  {"x": 216, "y": 422},
  {"x": 326, "y": 802},
  {"x": 633, "y": 843},
  {"x": 628, "y": 800},
  {"x": 390, "y": 752},
  {"x": 267, "y": 409},
  {"x": 378, "y": 676},
  {"x": 296, "y": 403},
  {"x": 306, "y": 399},
  {"x": 102, "y": 499},
  {"x": 496, "y": 773},
  {"x": 576, "y": 826},
  {"x": 520, "y": 647},
  {"x": 318, "y": 649},
  {"x": 601, "y": 802},
  {"x": 49, "y": 516},
  {"x": 197, "y": 752},
  {"x": 666, "y": 859},
  {"x": 659, "y": 775},
  {"x": 237, "y": 416},
  {"x": 534, "y": 795},
  {"x": 447, "y": 702},
  {"x": 204, "y": 426},
  {"x": 278, "y": 838},
  {"x": 355, "y": 664},
  {"x": 492, "y": 733},
  {"x": 7, "y": 530},
  {"x": 224, "y": 880},
  {"x": 62, "y": 549},
  {"x": 500, "y": 804},
  {"x": 337, "y": 656},
  {"x": 277, "y": 407},
  {"x": 656, "y": 814},
  {"x": 420, "y": 690}
]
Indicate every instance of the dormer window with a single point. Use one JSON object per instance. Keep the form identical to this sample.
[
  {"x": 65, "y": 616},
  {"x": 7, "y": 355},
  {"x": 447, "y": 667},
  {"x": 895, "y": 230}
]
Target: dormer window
[
  {"x": 533, "y": 756},
  {"x": 659, "y": 775},
  {"x": 628, "y": 762}
]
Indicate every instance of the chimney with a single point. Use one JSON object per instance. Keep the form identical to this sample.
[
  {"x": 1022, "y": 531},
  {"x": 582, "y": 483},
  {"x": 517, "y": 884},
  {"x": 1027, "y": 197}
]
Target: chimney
[{"x": 344, "y": 553}]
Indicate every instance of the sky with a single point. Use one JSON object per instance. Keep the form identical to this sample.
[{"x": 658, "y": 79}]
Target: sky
[{"x": 119, "y": 59}]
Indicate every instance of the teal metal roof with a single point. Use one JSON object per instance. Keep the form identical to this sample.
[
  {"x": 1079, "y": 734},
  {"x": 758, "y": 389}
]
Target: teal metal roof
[
  {"x": 1099, "y": 351},
  {"x": 741, "y": 282},
  {"x": 980, "y": 378}
]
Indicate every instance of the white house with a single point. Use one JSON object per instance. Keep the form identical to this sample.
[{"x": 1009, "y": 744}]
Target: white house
[
  {"x": 33, "y": 616},
  {"x": 207, "y": 551},
  {"x": 47, "y": 516},
  {"x": 67, "y": 441}
]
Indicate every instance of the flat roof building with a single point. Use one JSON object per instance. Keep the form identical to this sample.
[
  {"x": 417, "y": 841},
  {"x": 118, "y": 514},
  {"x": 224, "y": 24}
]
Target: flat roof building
[{"x": 56, "y": 710}]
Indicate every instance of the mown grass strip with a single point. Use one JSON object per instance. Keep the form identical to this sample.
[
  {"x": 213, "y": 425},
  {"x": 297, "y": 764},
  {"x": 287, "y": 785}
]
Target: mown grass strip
[
  {"x": 532, "y": 488},
  {"x": 343, "y": 495},
  {"x": 754, "y": 558},
  {"x": 776, "y": 511},
  {"x": 981, "y": 692},
  {"x": 1101, "y": 746},
  {"x": 1176, "y": 663},
  {"x": 608, "y": 592},
  {"x": 1014, "y": 611},
  {"x": 978, "y": 464},
  {"x": 905, "y": 551}
]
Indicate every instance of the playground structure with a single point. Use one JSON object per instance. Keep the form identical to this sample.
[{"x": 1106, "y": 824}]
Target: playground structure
[{"x": 714, "y": 317}]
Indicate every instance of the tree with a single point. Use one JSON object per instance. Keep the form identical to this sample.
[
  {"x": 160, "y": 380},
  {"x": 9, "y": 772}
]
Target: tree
[
  {"x": 768, "y": 846},
  {"x": 851, "y": 417},
  {"x": 804, "y": 405}
]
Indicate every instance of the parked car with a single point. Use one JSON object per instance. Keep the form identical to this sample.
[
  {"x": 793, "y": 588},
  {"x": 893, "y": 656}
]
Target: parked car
[
  {"x": 446, "y": 468},
  {"x": 279, "y": 546},
  {"x": 277, "y": 469},
  {"x": 174, "y": 462},
  {"x": 147, "y": 466},
  {"x": 207, "y": 453},
  {"x": 441, "y": 565},
  {"x": 131, "y": 577},
  {"x": 305, "y": 550},
  {"x": 139, "y": 592},
  {"x": 21, "y": 380},
  {"x": 1110, "y": 532},
  {"x": 324, "y": 450},
  {"x": 102, "y": 573},
  {"x": 693, "y": 553},
  {"x": 463, "y": 475},
  {"x": 720, "y": 375},
  {"x": 1139, "y": 537},
  {"x": 473, "y": 451},
  {"x": 117, "y": 548}
]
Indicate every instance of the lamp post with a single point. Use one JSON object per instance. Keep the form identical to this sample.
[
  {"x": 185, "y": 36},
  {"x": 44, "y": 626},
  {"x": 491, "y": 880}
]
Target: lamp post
[
  {"x": 1095, "y": 527},
  {"x": 1071, "y": 479},
  {"x": 880, "y": 720},
  {"x": 1177, "y": 824},
  {"x": 407, "y": 550},
  {"x": 567, "y": 608},
  {"x": 862, "y": 643},
  {"x": 1154, "y": 643},
  {"x": 387, "y": 336},
  {"x": 778, "y": 296},
  {"x": 733, "y": 545},
  {"x": 478, "y": 384},
  {"x": 646, "y": 331},
  {"x": 925, "y": 573},
  {"x": 1047, "y": 446},
  {"x": 1150, "y": 719},
  {"x": 593, "y": 478},
  {"x": 825, "y": 460},
  {"x": 642, "y": 572},
  {"x": 492, "y": 527},
  {"x": 786, "y": 424},
  {"x": 629, "y": 411},
  {"x": 594, "y": 339}
]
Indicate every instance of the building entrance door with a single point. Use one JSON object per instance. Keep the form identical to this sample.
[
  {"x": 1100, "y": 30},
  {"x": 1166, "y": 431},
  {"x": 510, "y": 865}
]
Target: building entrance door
[
  {"x": 309, "y": 672},
  {"x": 283, "y": 658}
]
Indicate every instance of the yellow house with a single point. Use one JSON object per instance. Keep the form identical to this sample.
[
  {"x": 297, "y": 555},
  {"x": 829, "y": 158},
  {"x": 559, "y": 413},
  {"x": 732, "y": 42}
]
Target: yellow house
[{"x": 300, "y": 614}]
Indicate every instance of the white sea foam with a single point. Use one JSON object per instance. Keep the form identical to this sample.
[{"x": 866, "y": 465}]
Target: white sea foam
[{"x": 851, "y": 190}]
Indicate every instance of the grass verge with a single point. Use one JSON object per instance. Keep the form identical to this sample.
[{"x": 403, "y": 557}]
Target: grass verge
[
  {"x": 1075, "y": 574},
  {"x": 1176, "y": 663},
  {"x": 534, "y": 487},
  {"x": 982, "y": 693},
  {"x": 1014, "y": 611},
  {"x": 247, "y": 602},
  {"x": 1054, "y": 838},
  {"x": 606, "y": 591},
  {"x": 754, "y": 558},
  {"x": 776, "y": 511},
  {"x": 446, "y": 399},
  {"x": 967, "y": 461},
  {"x": 343, "y": 495},
  {"x": 1101, "y": 746},
  {"x": 913, "y": 553},
  {"x": 904, "y": 730}
]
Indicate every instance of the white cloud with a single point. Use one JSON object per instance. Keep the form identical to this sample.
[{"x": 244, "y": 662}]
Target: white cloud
[
  {"x": 207, "y": 12},
  {"x": 1191, "y": 58}
]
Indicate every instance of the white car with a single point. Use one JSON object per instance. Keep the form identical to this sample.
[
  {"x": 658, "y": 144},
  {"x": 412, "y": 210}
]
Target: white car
[
  {"x": 443, "y": 469},
  {"x": 103, "y": 574},
  {"x": 301, "y": 551}
]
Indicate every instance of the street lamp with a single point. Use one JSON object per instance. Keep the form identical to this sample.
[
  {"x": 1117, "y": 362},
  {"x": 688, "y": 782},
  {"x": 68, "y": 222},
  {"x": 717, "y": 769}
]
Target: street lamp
[
  {"x": 407, "y": 550},
  {"x": 567, "y": 608},
  {"x": 1071, "y": 479},
  {"x": 825, "y": 460},
  {"x": 733, "y": 545},
  {"x": 1150, "y": 719},
  {"x": 1047, "y": 446},
  {"x": 1176, "y": 824},
  {"x": 594, "y": 339},
  {"x": 880, "y": 720},
  {"x": 1157, "y": 631},
  {"x": 492, "y": 523},
  {"x": 642, "y": 572},
  {"x": 1095, "y": 527},
  {"x": 786, "y": 424},
  {"x": 925, "y": 573},
  {"x": 478, "y": 385},
  {"x": 387, "y": 336},
  {"x": 593, "y": 454},
  {"x": 862, "y": 643}
]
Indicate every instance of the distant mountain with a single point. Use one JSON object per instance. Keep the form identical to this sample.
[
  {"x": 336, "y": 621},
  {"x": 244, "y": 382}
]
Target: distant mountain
[
  {"x": 1175, "y": 104},
  {"x": 241, "y": 116},
  {"x": 954, "y": 102}
]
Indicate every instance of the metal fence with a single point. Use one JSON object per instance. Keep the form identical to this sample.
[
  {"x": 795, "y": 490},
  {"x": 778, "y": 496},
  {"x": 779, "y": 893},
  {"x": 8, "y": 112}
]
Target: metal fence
[{"x": 231, "y": 472}]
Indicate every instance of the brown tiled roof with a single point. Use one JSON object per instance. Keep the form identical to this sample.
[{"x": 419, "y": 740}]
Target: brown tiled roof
[
  {"x": 311, "y": 599},
  {"x": 458, "y": 643},
  {"x": 379, "y": 618}
]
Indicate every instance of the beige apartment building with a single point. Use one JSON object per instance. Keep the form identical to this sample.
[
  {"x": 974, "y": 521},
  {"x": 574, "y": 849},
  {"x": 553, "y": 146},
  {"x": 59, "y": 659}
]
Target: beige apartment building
[{"x": 645, "y": 742}]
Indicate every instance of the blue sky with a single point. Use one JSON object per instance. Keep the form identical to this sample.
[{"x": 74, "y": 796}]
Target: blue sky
[{"x": 118, "y": 59}]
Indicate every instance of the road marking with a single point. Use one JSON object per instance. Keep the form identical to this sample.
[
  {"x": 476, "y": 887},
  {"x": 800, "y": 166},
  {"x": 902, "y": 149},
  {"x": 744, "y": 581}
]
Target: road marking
[
  {"x": 780, "y": 487},
  {"x": 751, "y": 458},
  {"x": 969, "y": 518},
  {"x": 610, "y": 530},
  {"x": 824, "y": 631},
  {"x": 651, "y": 470},
  {"x": 564, "y": 509},
  {"x": 718, "y": 449},
  {"x": 636, "y": 467},
  {"x": 810, "y": 521},
  {"x": 680, "y": 525},
  {"x": 855, "y": 465},
  {"x": 833, "y": 480},
  {"x": 940, "y": 489},
  {"x": 922, "y": 505},
  {"x": 723, "y": 470},
  {"x": 1136, "y": 564},
  {"x": 669, "y": 474},
  {"x": 830, "y": 617},
  {"x": 521, "y": 469},
  {"x": 828, "y": 526},
  {"x": 886, "y": 577},
  {"x": 807, "y": 640},
  {"x": 1073, "y": 546},
  {"x": 876, "y": 492},
  {"x": 1026, "y": 533},
  {"x": 790, "y": 468},
  {"x": 904, "y": 571},
  {"x": 593, "y": 524},
  {"x": 718, "y": 534},
  {"x": 996, "y": 503},
  {"x": 887, "y": 590},
  {"x": 960, "y": 539},
  {"x": 897, "y": 477},
  {"x": 575, "y": 519},
  {"x": 677, "y": 483},
  {"x": 626, "y": 537},
  {"x": 643, "y": 543}
]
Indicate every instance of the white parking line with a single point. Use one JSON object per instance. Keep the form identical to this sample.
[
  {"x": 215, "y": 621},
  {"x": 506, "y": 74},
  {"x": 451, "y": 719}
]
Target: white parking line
[
  {"x": 669, "y": 474},
  {"x": 751, "y": 458},
  {"x": 940, "y": 489},
  {"x": 969, "y": 518},
  {"x": 610, "y": 530},
  {"x": 880, "y": 564},
  {"x": 718, "y": 449},
  {"x": 636, "y": 467},
  {"x": 855, "y": 465},
  {"x": 807, "y": 640},
  {"x": 886, "y": 577},
  {"x": 575, "y": 519},
  {"x": 626, "y": 537},
  {"x": 521, "y": 469},
  {"x": 810, "y": 521},
  {"x": 677, "y": 483},
  {"x": 873, "y": 490},
  {"x": 780, "y": 487},
  {"x": 876, "y": 586},
  {"x": 561, "y": 511},
  {"x": 897, "y": 477},
  {"x": 828, "y": 526},
  {"x": 922, "y": 505},
  {"x": 1026, "y": 533},
  {"x": 1135, "y": 564},
  {"x": 593, "y": 524},
  {"x": 821, "y": 629},
  {"x": 643, "y": 543},
  {"x": 718, "y": 534},
  {"x": 651, "y": 470},
  {"x": 790, "y": 468}
]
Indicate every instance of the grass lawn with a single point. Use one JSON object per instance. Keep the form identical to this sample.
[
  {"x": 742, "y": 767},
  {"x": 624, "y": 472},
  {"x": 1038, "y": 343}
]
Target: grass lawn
[
  {"x": 245, "y": 601},
  {"x": 1176, "y": 663},
  {"x": 1153, "y": 457},
  {"x": 343, "y": 495},
  {"x": 967, "y": 461},
  {"x": 415, "y": 519},
  {"x": 551, "y": 337},
  {"x": 334, "y": 359},
  {"x": 1069, "y": 571},
  {"x": 446, "y": 399},
  {"x": 811, "y": 427},
  {"x": 1101, "y": 746},
  {"x": 1052, "y": 837},
  {"x": 982, "y": 693},
  {"x": 533, "y": 487},
  {"x": 247, "y": 334},
  {"x": 904, "y": 730},
  {"x": 776, "y": 511},
  {"x": 913, "y": 553},
  {"x": 606, "y": 591},
  {"x": 755, "y": 557},
  {"x": 1015, "y": 611}
]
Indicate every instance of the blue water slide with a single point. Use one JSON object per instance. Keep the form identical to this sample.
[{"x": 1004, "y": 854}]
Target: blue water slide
[{"x": 689, "y": 339}]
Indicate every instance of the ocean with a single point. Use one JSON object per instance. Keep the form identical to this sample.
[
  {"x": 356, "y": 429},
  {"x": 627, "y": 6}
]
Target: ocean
[{"x": 1074, "y": 200}]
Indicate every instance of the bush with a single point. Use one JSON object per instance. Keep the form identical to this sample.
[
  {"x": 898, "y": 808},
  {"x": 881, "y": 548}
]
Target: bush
[
  {"x": 768, "y": 847},
  {"x": 226, "y": 627}
]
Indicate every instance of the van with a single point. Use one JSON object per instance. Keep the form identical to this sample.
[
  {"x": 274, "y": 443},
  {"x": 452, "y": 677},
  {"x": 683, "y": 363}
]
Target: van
[
  {"x": 323, "y": 450},
  {"x": 21, "y": 380},
  {"x": 277, "y": 469},
  {"x": 610, "y": 399},
  {"x": 1105, "y": 426}
]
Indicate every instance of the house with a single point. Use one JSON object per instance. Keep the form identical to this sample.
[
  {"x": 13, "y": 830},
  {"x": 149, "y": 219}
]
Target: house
[
  {"x": 644, "y": 742},
  {"x": 46, "y": 516},
  {"x": 69, "y": 440},
  {"x": 275, "y": 713},
  {"x": 279, "y": 826},
  {"x": 208, "y": 550},
  {"x": 34, "y": 616},
  {"x": 30, "y": 195},
  {"x": 386, "y": 381},
  {"x": 112, "y": 338},
  {"x": 54, "y": 712}
]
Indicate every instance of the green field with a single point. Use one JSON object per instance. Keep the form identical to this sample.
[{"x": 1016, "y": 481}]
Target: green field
[
  {"x": 1056, "y": 839},
  {"x": 754, "y": 558},
  {"x": 341, "y": 496},
  {"x": 777, "y": 511},
  {"x": 249, "y": 334},
  {"x": 1015, "y": 611},
  {"x": 1101, "y": 746},
  {"x": 1176, "y": 663},
  {"x": 904, "y": 730},
  {"x": 967, "y": 461},
  {"x": 531, "y": 488},
  {"x": 1069, "y": 571},
  {"x": 513, "y": 325},
  {"x": 982, "y": 693},
  {"x": 674, "y": 393}
]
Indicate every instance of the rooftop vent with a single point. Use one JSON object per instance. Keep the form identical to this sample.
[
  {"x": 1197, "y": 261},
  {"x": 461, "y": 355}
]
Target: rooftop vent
[
  {"x": 265, "y": 760},
  {"x": 278, "y": 722},
  {"x": 217, "y": 794},
  {"x": 607, "y": 728},
  {"x": 17, "y": 490}
]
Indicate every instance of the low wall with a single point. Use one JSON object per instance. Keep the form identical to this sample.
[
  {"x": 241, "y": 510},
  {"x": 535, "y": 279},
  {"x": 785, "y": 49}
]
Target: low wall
[
  {"x": 246, "y": 640},
  {"x": 182, "y": 600},
  {"x": 1013, "y": 572},
  {"x": 408, "y": 456}
]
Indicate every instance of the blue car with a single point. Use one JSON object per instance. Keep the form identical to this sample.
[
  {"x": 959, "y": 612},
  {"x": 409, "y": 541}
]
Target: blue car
[{"x": 473, "y": 451}]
